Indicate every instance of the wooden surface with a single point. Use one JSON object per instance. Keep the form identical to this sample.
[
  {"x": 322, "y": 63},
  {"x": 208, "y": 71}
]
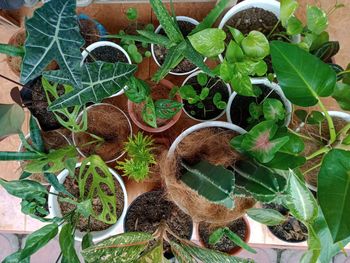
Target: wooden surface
[{"x": 111, "y": 16}]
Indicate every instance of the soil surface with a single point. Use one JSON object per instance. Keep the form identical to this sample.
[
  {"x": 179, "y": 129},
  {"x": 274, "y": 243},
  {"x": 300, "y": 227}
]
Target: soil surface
[
  {"x": 160, "y": 52},
  {"x": 95, "y": 225},
  {"x": 210, "y": 111},
  {"x": 225, "y": 244},
  {"x": 292, "y": 230},
  {"x": 34, "y": 98},
  {"x": 88, "y": 31},
  {"x": 108, "y": 123},
  {"x": 106, "y": 54},
  {"x": 149, "y": 209},
  {"x": 240, "y": 106}
]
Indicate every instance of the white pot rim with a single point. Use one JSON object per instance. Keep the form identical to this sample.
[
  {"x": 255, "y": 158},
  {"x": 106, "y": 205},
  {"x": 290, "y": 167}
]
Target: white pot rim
[
  {"x": 208, "y": 124},
  {"x": 97, "y": 236},
  {"x": 269, "y": 5},
  {"x": 264, "y": 81},
  {"x": 199, "y": 120},
  {"x": 97, "y": 44},
  {"x": 96, "y": 105},
  {"x": 178, "y": 18}
]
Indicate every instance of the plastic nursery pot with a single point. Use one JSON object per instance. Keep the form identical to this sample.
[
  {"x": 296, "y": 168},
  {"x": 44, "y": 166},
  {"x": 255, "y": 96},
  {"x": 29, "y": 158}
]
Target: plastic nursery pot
[
  {"x": 135, "y": 114},
  {"x": 172, "y": 72},
  {"x": 237, "y": 249},
  {"x": 271, "y": 85},
  {"x": 193, "y": 75},
  {"x": 106, "y": 48},
  {"x": 268, "y": 5},
  {"x": 113, "y": 110},
  {"x": 55, "y": 210}
]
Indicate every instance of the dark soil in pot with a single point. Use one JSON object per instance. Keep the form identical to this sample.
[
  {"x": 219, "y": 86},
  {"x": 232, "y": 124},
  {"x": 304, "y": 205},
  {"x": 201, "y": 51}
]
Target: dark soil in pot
[
  {"x": 149, "y": 209},
  {"x": 210, "y": 111},
  {"x": 88, "y": 31},
  {"x": 109, "y": 123},
  {"x": 34, "y": 98},
  {"x": 292, "y": 230},
  {"x": 240, "y": 106},
  {"x": 106, "y": 54},
  {"x": 83, "y": 223},
  {"x": 161, "y": 52},
  {"x": 238, "y": 226}
]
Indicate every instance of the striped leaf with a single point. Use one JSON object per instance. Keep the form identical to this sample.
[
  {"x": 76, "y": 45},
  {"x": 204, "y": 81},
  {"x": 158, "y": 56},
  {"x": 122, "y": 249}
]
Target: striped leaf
[
  {"x": 19, "y": 156},
  {"x": 327, "y": 50},
  {"x": 11, "y": 50}
]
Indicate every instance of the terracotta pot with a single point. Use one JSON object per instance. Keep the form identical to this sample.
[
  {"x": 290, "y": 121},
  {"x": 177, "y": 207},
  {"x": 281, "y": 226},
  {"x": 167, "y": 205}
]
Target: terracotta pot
[
  {"x": 237, "y": 249},
  {"x": 132, "y": 109}
]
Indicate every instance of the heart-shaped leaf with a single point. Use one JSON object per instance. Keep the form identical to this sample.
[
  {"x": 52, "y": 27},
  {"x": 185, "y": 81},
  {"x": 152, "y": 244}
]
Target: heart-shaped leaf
[
  {"x": 256, "y": 45},
  {"x": 273, "y": 110},
  {"x": 288, "y": 8},
  {"x": 342, "y": 95},
  {"x": 317, "y": 20}
]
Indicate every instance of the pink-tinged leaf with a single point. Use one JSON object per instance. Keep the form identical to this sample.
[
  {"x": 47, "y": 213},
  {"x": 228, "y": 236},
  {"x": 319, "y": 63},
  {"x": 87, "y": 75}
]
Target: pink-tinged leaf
[{"x": 262, "y": 142}]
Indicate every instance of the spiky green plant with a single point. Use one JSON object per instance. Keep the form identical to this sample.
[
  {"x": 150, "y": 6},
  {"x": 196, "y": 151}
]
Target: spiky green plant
[{"x": 140, "y": 158}]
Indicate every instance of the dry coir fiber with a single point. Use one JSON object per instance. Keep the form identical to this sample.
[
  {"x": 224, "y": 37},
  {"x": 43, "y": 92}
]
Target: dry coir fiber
[{"x": 212, "y": 145}]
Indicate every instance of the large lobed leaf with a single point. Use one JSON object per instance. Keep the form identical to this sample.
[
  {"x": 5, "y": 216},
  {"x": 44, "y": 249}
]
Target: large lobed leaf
[
  {"x": 303, "y": 77},
  {"x": 53, "y": 34},
  {"x": 99, "y": 80}
]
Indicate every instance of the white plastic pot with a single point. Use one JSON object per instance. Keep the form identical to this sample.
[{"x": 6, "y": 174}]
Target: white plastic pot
[
  {"x": 90, "y": 48},
  {"x": 189, "y": 115},
  {"x": 272, "y": 86},
  {"x": 203, "y": 125},
  {"x": 269, "y": 5},
  {"x": 96, "y": 105},
  {"x": 178, "y": 18},
  {"x": 97, "y": 236}
]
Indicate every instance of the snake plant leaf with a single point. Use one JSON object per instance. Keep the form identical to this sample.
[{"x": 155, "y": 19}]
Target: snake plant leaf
[
  {"x": 11, "y": 119},
  {"x": 122, "y": 248},
  {"x": 307, "y": 77},
  {"x": 334, "y": 192},
  {"x": 166, "y": 109},
  {"x": 35, "y": 134},
  {"x": 155, "y": 254},
  {"x": 94, "y": 167},
  {"x": 53, "y": 34},
  {"x": 99, "y": 80},
  {"x": 269, "y": 217},
  {"x": 215, "y": 183},
  {"x": 180, "y": 254},
  {"x": 19, "y": 156},
  {"x": 66, "y": 240},
  {"x": 211, "y": 256},
  {"x": 299, "y": 199},
  {"x": 260, "y": 182}
]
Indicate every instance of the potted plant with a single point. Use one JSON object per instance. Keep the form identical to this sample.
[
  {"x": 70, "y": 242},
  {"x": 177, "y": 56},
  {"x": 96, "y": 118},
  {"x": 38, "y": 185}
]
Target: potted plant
[
  {"x": 90, "y": 29},
  {"x": 205, "y": 97},
  {"x": 150, "y": 106}
]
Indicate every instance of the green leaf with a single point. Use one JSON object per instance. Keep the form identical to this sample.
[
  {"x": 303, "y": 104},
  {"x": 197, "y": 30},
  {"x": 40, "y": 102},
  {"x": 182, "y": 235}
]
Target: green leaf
[
  {"x": 131, "y": 13},
  {"x": 234, "y": 53},
  {"x": 53, "y": 34},
  {"x": 125, "y": 247},
  {"x": 346, "y": 76},
  {"x": 187, "y": 92},
  {"x": 66, "y": 239},
  {"x": 52, "y": 180},
  {"x": 204, "y": 93},
  {"x": 334, "y": 192},
  {"x": 35, "y": 134},
  {"x": 294, "y": 145},
  {"x": 70, "y": 164},
  {"x": 216, "y": 236},
  {"x": 99, "y": 80},
  {"x": 315, "y": 117},
  {"x": 11, "y": 119},
  {"x": 213, "y": 15},
  {"x": 242, "y": 85},
  {"x": 317, "y": 40},
  {"x": 15, "y": 258},
  {"x": 142, "y": 39},
  {"x": 237, "y": 240},
  {"x": 87, "y": 241},
  {"x": 209, "y": 42},
  {"x": 171, "y": 29},
  {"x": 285, "y": 161},
  {"x": 317, "y": 20},
  {"x": 217, "y": 100},
  {"x": 295, "y": 26},
  {"x": 327, "y": 50},
  {"x": 237, "y": 35},
  {"x": 269, "y": 217},
  {"x": 256, "y": 45},
  {"x": 153, "y": 255},
  {"x": 19, "y": 156},
  {"x": 225, "y": 70},
  {"x": 302, "y": 76},
  {"x": 273, "y": 109},
  {"x": 215, "y": 183},
  {"x": 12, "y": 51},
  {"x": 288, "y": 8},
  {"x": 255, "y": 110},
  {"x": 180, "y": 254},
  {"x": 138, "y": 90},
  {"x": 202, "y": 79},
  {"x": 167, "y": 109},
  {"x": 341, "y": 94},
  {"x": 300, "y": 200},
  {"x": 156, "y": 38},
  {"x": 24, "y": 188},
  {"x": 149, "y": 113}
]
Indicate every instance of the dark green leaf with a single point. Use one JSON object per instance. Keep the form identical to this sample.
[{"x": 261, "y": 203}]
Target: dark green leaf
[
  {"x": 11, "y": 119},
  {"x": 66, "y": 239},
  {"x": 337, "y": 69},
  {"x": 15, "y": 258},
  {"x": 23, "y": 189},
  {"x": 156, "y": 38},
  {"x": 302, "y": 76},
  {"x": 341, "y": 94},
  {"x": 19, "y": 156},
  {"x": 346, "y": 76},
  {"x": 35, "y": 134},
  {"x": 24, "y": 175},
  {"x": 12, "y": 51},
  {"x": 269, "y": 217},
  {"x": 327, "y": 50},
  {"x": 155, "y": 254},
  {"x": 149, "y": 113},
  {"x": 167, "y": 109},
  {"x": 87, "y": 241},
  {"x": 52, "y": 180},
  {"x": 202, "y": 79},
  {"x": 53, "y": 34},
  {"x": 237, "y": 240},
  {"x": 285, "y": 161},
  {"x": 315, "y": 117},
  {"x": 301, "y": 114},
  {"x": 180, "y": 254},
  {"x": 137, "y": 90}
]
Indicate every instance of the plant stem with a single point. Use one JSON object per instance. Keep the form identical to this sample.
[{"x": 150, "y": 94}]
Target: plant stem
[
  {"x": 319, "y": 152},
  {"x": 301, "y": 135},
  {"x": 344, "y": 130},
  {"x": 343, "y": 72},
  {"x": 333, "y": 135},
  {"x": 273, "y": 29},
  {"x": 313, "y": 168},
  {"x": 59, "y": 257},
  {"x": 11, "y": 80}
]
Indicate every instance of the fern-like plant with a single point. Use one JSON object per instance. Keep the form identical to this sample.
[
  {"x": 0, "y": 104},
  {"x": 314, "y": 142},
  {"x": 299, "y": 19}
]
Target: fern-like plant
[{"x": 139, "y": 149}]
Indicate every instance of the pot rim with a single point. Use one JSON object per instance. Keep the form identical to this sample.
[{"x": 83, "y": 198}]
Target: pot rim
[
  {"x": 96, "y": 105},
  {"x": 264, "y": 81},
  {"x": 97, "y": 236},
  {"x": 97, "y": 44},
  {"x": 178, "y": 18},
  {"x": 138, "y": 123},
  {"x": 213, "y": 119}
]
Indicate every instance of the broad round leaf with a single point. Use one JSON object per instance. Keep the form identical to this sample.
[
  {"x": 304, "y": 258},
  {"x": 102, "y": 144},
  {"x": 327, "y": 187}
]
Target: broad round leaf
[
  {"x": 256, "y": 45},
  {"x": 317, "y": 20}
]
